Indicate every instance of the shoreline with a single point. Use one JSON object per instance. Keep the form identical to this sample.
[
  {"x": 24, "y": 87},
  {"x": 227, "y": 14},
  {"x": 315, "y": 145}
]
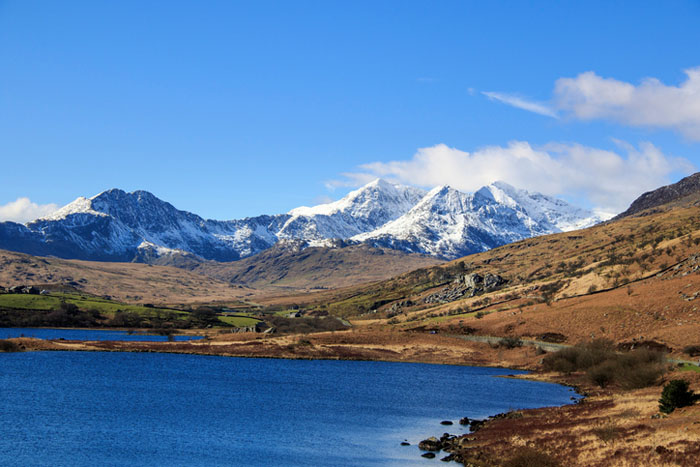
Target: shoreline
[{"x": 604, "y": 427}]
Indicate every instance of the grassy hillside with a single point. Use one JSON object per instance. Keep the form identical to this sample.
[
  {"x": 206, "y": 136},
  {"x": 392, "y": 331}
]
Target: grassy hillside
[
  {"x": 73, "y": 309},
  {"x": 127, "y": 282},
  {"x": 635, "y": 278}
]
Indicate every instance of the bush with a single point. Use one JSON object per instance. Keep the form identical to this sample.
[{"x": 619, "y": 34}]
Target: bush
[
  {"x": 607, "y": 433},
  {"x": 603, "y": 366},
  {"x": 602, "y": 374},
  {"x": 692, "y": 350},
  {"x": 640, "y": 368},
  {"x": 676, "y": 394},
  {"x": 580, "y": 357},
  {"x": 510, "y": 342}
]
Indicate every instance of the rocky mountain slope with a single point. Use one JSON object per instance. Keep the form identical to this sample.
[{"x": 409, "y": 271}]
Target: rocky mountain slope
[
  {"x": 666, "y": 194},
  {"x": 119, "y": 226},
  {"x": 449, "y": 224}
]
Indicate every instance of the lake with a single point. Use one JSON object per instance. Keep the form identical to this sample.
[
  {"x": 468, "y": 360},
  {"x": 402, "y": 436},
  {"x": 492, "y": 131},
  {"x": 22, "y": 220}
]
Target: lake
[
  {"x": 104, "y": 408},
  {"x": 86, "y": 335}
]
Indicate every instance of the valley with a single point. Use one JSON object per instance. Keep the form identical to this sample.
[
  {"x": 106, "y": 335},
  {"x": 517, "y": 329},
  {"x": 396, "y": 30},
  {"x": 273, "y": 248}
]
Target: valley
[{"x": 630, "y": 283}]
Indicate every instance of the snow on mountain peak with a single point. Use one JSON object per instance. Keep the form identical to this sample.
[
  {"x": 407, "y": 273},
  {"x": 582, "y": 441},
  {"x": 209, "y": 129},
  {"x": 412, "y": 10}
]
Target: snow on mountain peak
[
  {"x": 376, "y": 191},
  {"x": 448, "y": 223},
  {"x": 443, "y": 222},
  {"x": 361, "y": 210},
  {"x": 81, "y": 205}
]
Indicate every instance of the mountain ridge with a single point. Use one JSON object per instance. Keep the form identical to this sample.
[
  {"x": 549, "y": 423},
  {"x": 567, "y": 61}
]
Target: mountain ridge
[
  {"x": 118, "y": 226},
  {"x": 687, "y": 186}
]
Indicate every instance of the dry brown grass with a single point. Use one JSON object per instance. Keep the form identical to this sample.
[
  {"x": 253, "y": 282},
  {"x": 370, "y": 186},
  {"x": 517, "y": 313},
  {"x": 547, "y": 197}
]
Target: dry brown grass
[
  {"x": 605, "y": 429},
  {"x": 128, "y": 282}
]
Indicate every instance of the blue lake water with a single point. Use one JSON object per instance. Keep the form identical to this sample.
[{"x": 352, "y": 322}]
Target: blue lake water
[
  {"x": 95, "y": 408},
  {"x": 86, "y": 335}
]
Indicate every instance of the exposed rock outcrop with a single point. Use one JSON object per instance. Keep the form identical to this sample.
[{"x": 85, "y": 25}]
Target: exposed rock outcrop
[{"x": 467, "y": 285}]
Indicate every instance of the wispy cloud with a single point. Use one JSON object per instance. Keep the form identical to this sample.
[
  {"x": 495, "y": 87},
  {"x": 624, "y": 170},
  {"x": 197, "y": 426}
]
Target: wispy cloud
[
  {"x": 23, "y": 210},
  {"x": 522, "y": 103},
  {"x": 651, "y": 103},
  {"x": 608, "y": 180}
]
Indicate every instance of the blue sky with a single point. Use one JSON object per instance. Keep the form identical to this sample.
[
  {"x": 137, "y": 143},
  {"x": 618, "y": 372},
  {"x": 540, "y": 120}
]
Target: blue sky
[{"x": 232, "y": 109}]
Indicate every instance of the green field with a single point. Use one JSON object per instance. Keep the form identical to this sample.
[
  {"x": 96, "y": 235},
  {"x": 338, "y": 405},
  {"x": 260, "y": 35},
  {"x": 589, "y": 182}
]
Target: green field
[
  {"x": 239, "y": 321},
  {"x": 52, "y": 302},
  {"x": 689, "y": 367}
]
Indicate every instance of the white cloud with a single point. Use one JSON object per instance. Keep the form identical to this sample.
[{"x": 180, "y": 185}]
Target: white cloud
[
  {"x": 23, "y": 210},
  {"x": 651, "y": 103},
  {"x": 522, "y": 103},
  {"x": 607, "y": 180}
]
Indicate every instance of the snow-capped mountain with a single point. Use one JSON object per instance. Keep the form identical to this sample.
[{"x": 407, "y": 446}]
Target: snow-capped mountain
[
  {"x": 120, "y": 226},
  {"x": 449, "y": 224},
  {"x": 362, "y": 210}
]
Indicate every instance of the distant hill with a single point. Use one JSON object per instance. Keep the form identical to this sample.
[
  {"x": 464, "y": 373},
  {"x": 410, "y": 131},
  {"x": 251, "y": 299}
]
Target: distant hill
[
  {"x": 184, "y": 277},
  {"x": 293, "y": 265},
  {"x": 127, "y": 282}
]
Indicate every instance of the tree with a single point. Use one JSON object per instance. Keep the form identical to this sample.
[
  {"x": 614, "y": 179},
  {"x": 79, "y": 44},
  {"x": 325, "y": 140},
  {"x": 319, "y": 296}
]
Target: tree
[{"x": 676, "y": 394}]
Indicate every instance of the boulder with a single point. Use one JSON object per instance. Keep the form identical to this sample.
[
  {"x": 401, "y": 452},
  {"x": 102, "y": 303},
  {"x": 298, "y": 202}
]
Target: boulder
[
  {"x": 428, "y": 455},
  {"x": 430, "y": 444},
  {"x": 464, "y": 421},
  {"x": 472, "y": 281},
  {"x": 446, "y": 422},
  {"x": 492, "y": 281}
]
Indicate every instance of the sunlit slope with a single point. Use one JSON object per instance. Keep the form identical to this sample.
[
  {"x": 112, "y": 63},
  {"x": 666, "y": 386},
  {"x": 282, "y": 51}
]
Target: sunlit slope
[{"x": 634, "y": 278}]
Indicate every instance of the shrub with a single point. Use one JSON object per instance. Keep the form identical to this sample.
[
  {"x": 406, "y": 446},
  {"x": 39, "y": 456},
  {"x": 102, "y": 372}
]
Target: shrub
[
  {"x": 692, "y": 350},
  {"x": 676, "y": 394},
  {"x": 607, "y": 433},
  {"x": 640, "y": 368},
  {"x": 602, "y": 374},
  {"x": 510, "y": 342},
  {"x": 603, "y": 366}
]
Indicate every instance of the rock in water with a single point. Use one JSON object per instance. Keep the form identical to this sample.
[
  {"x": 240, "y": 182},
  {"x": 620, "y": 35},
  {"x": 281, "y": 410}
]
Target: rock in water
[{"x": 430, "y": 444}]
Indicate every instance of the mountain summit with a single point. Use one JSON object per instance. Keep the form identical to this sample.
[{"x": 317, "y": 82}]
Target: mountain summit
[
  {"x": 119, "y": 226},
  {"x": 448, "y": 223}
]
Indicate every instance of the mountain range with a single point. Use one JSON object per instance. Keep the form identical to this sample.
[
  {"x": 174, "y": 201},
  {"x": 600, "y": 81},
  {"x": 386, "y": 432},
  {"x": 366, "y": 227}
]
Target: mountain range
[{"x": 444, "y": 223}]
